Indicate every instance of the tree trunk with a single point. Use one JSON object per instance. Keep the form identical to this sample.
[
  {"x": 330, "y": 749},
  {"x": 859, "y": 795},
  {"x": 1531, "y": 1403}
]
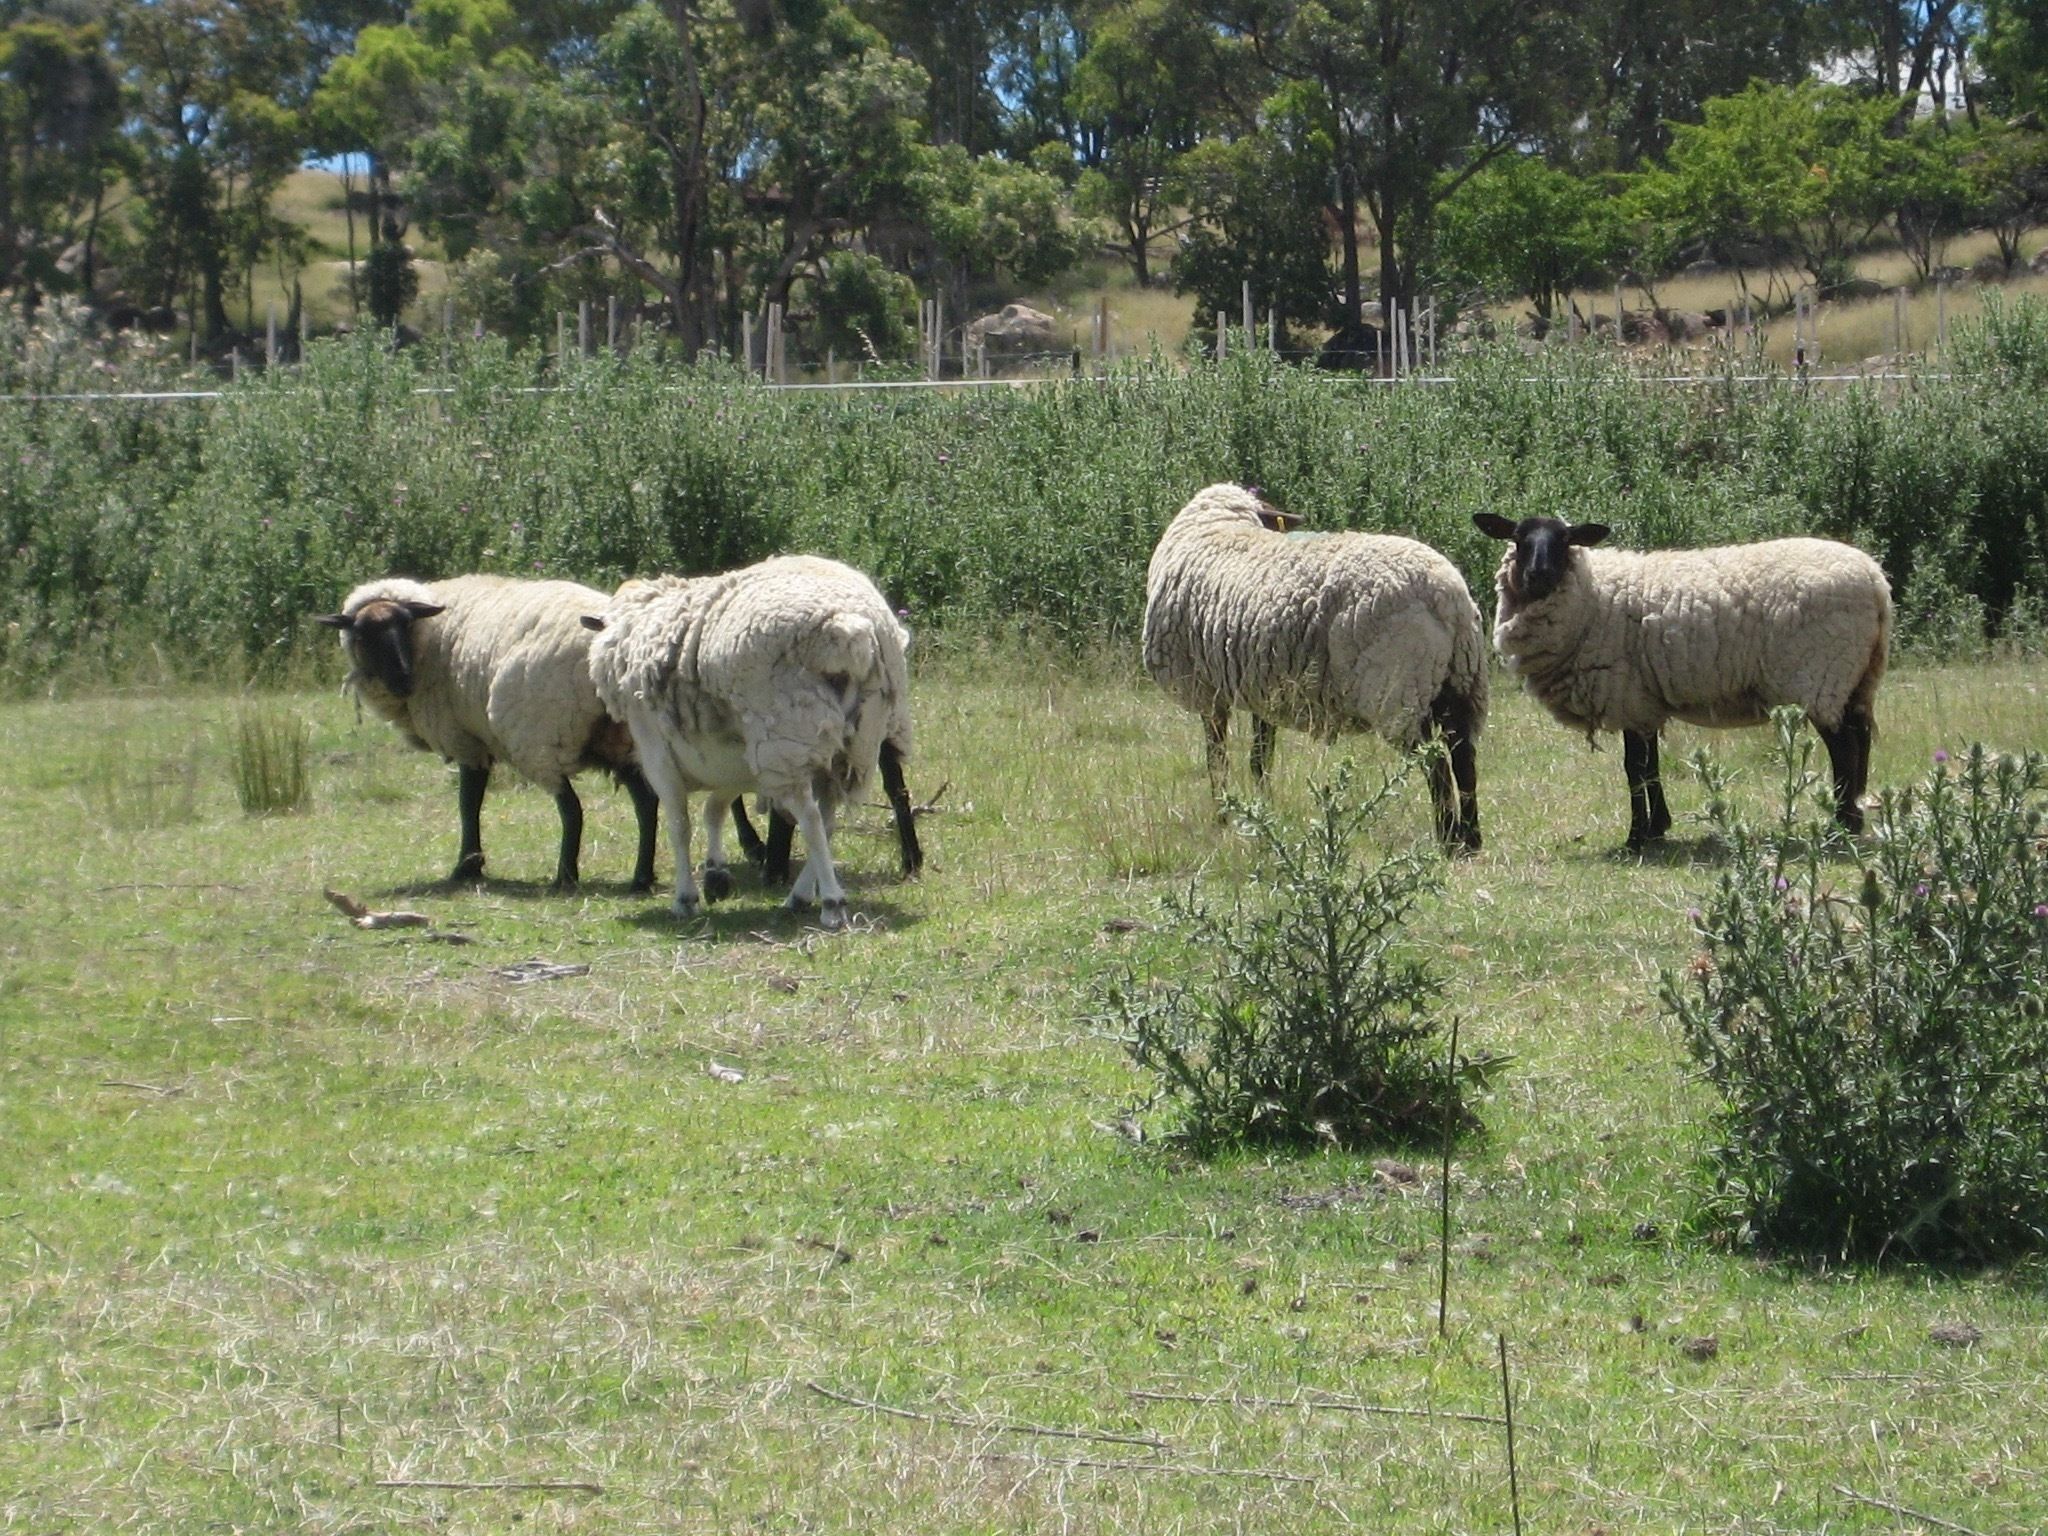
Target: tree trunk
[{"x": 1347, "y": 218}]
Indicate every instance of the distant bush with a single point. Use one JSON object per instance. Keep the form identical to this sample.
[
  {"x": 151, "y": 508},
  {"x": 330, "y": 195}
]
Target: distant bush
[
  {"x": 1293, "y": 1017},
  {"x": 194, "y": 532},
  {"x": 1877, "y": 1029}
]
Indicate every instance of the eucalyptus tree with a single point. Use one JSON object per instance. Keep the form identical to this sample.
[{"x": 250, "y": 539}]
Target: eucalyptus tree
[
  {"x": 1413, "y": 98},
  {"x": 60, "y": 152},
  {"x": 211, "y": 136},
  {"x": 1146, "y": 91}
]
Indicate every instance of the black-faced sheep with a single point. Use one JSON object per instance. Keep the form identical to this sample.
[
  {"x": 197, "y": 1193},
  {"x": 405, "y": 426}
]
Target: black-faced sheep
[
  {"x": 1610, "y": 640},
  {"x": 484, "y": 670}
]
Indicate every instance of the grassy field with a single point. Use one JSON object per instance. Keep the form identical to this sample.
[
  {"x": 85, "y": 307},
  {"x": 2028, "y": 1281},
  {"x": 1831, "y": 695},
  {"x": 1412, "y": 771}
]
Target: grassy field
[{"x": 298, "y": 1222}]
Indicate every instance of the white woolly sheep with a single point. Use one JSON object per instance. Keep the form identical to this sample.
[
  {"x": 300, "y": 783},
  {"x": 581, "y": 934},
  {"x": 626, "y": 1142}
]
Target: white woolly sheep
[
  {"x": 787, "y": 678},
  {"x": 1322, "y": 632},
  {"x": 484, "y": 670},
  {"x": 1610, "y": 640}
]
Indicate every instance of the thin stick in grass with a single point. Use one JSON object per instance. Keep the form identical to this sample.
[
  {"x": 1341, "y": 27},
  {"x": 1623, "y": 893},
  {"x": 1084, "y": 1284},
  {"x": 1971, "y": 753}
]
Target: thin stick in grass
[
  {"x": 1507, "y": 1398},
  {"x": 1443, "y": 1256}
]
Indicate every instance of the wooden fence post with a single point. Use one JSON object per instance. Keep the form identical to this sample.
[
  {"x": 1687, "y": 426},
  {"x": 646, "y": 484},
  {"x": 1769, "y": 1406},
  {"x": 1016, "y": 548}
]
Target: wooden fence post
[{"x": 1222, "y": 336}]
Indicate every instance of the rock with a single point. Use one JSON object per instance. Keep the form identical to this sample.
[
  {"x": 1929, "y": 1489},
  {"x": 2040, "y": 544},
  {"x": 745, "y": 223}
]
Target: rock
[
  {"x": 1016, "y": 329},
  {"x": 1988, "y": 269},
  {"x": 1853, "y": 288}
]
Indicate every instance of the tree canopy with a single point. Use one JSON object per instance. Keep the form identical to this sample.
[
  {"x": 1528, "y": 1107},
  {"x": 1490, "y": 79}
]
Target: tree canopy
[{"x": 706, "y": 158}]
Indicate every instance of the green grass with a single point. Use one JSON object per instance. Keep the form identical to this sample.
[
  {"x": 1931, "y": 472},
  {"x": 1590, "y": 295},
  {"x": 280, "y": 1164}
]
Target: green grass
[{"x": 289, "y": 1210}]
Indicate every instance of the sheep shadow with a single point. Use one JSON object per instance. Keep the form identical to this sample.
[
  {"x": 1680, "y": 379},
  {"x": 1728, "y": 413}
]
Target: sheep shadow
[
  {"x": 516, "y": 890},
  {"x": 756, "y": 914},
  {"x": 1703, "y": 852}
]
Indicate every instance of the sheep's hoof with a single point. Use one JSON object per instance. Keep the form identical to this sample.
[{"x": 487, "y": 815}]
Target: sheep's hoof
[
  {"x": 564, "y": 884},
  {"x": 685, "y": 906},
  {"x": 717, "y": 882},
  {"x": 832, "y": 916},
  {"x": 469, "y": 867},
  {"x": 641, "y": 885},
  {"x": 795, "y": 903}
]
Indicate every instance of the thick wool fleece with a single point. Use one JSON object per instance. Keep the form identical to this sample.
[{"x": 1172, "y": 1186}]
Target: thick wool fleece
[
  {"x": 503, "y": 676},
  {"x": 773, "y": 676},
  {"x": 1715, "y": 637},
  {"x": 1320, "y": 632}
]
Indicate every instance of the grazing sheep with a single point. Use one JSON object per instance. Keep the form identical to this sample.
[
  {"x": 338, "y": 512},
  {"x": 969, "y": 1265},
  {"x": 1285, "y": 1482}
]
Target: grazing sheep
[
  {"x": 773, "y": 854},
  {"x": 483, "y": 670},
  {"x": 788, "y": 677},
  {"x": 1323, "y": 632},
  {"x": 1610, "y": 640}
]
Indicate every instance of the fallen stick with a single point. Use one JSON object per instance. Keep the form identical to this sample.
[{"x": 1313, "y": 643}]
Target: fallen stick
[
  {"x": 363, "y": 917},
  {"x": 1900, "y": 1509},
  {"x": 510, "y": 1487},
  {"x": 1173, "y": 1468},
  {"x": 1325, "y": 1404},
  {"x": 992, "y": 1426}
]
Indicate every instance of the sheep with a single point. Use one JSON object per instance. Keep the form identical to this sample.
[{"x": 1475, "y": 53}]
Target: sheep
[
  {"x": 1610, "y": 640},
  {"x": 788, "y": 677},
  {"x": 483, "y": 670},
  {"x": 1322, "y": 632}
]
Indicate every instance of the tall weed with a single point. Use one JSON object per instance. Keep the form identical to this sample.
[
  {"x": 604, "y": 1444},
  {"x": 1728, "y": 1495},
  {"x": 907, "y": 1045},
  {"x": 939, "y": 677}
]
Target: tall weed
[{"x": 1874, "y": 1014}]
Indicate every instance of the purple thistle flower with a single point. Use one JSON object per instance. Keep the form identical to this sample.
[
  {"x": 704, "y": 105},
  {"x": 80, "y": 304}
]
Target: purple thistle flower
[
  {"x": 1781, "y": 884},
  {"x": 1940, "y": 755},
  {"x": 1920, "y": 889},
  {"x": 1695, "y": 916},
  {"x": 2041, "y": 909}
]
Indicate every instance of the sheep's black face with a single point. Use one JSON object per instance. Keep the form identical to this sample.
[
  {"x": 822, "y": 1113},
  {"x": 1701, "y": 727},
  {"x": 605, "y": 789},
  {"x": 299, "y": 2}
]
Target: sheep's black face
[
  {"x": 1543, "y": 550},
  {"x": 379, "y": 640}
]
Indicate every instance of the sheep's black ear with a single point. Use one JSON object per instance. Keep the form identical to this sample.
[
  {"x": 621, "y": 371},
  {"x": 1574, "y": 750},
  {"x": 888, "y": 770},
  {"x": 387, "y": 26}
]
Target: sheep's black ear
[
  {"x": 424, "y": 610},
  {"x": 337, "y": 620},
  {"x": 1493, "y": 525},
  {"x": 593, "y": 621},
  {"x": 1584, "y": 534}
]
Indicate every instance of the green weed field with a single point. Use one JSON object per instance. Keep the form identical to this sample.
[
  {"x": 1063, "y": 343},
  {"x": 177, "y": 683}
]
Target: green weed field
[{"x": 747, "y": 1227}]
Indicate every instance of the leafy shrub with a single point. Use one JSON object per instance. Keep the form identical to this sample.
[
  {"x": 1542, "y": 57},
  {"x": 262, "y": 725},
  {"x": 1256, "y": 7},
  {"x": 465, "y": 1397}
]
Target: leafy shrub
[
  {"x": 1877, "y": 1030},
  {"x": 201, "y": 531},
  {"x": 1294, "y": 1019}
]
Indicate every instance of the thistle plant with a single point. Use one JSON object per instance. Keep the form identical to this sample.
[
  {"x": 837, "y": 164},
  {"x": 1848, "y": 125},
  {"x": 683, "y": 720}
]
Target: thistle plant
[
  {"x": 1291, "y": 1014},
  {"x": 1874, "y": 1014}
]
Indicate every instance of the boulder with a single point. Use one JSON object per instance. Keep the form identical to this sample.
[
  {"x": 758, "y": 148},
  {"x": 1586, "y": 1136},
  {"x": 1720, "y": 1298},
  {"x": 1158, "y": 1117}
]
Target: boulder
[{"x": 1016, "y": 329}]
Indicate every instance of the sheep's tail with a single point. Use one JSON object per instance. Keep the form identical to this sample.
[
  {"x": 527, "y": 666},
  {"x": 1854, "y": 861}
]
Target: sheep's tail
[
  {"x": 845, "y": 645},
  {"x": 1864, "y": 694}
]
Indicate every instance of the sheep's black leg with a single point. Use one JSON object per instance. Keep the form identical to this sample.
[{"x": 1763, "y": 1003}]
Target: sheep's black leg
[
  {"x": 1454, "y": 775},
  {"x": 781, "y": 837},
  {"x": 570, "y": 809},
  {"x": 647, "y": 811},
  {"x": 1660, "y": 813},
  {"x": 1848, "y": 747},
  {"x": 743, "y": 829},
  {"x": 469, "y": 799},
  {"x": 1645, "y": 796},
  {"x": 1265, "y": 735},
  {"x": 899, "y": 802},
  {"x": 1216, "y": 732}
]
